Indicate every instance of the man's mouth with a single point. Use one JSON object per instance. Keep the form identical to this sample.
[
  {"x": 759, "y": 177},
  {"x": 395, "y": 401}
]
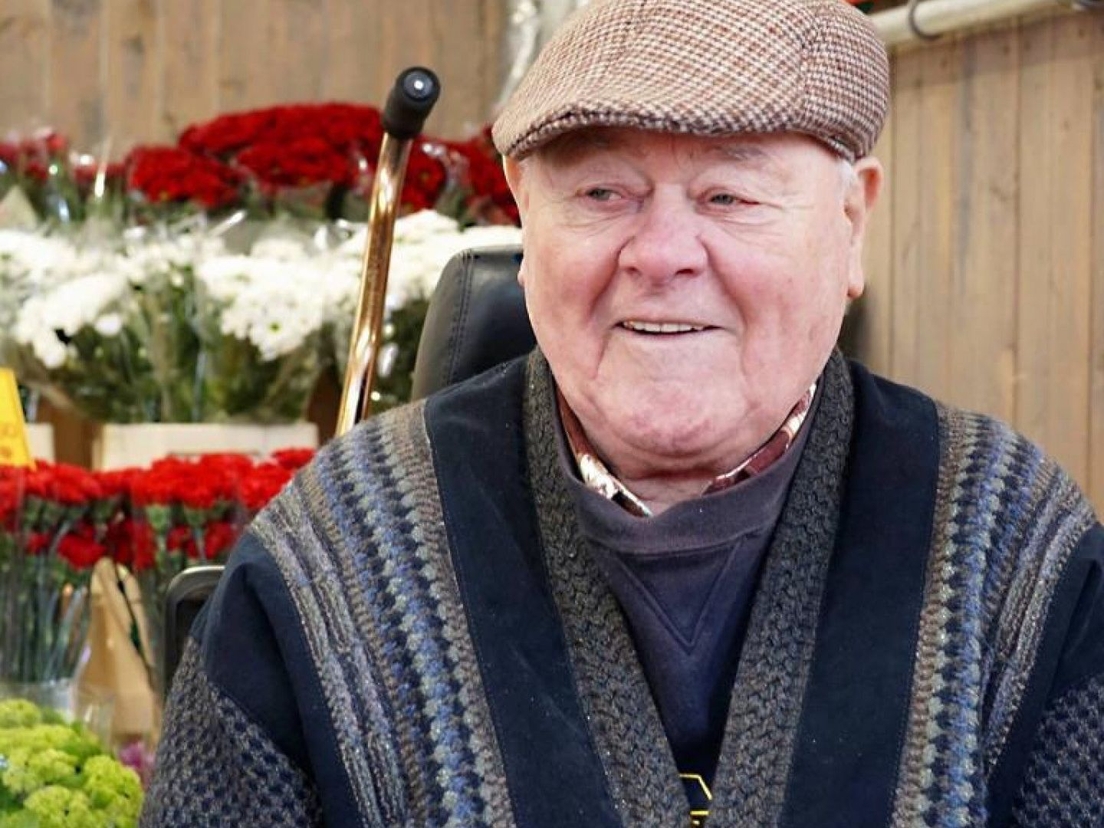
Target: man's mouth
[{"x": 661, "y": 327}]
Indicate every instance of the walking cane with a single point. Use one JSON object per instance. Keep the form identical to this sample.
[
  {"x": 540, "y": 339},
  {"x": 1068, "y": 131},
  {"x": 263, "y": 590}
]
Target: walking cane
[{"x": 408, "y": 105}]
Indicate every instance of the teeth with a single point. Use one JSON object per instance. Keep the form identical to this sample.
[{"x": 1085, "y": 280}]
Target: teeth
[{"x": 661, "y": 327}]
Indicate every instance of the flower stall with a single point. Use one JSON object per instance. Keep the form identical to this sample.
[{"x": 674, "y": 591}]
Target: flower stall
[
  {"x": 186, "y": 298},
  {"x": 212, "y": 282}
]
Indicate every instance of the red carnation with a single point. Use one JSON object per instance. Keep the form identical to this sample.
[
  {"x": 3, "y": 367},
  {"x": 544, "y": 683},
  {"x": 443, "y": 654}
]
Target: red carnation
[
  {"x": 81, "y": 551},
  {"x": 219, "y": 536},
  {"x": 292, "y": 459},
  {"x": 170, "y": 175},
  {"x": 297, "y": 163}
]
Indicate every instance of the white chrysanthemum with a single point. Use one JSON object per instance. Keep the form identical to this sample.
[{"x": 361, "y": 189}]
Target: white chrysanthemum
[
  {"x": 280, "y": 248},
  {"x": 110, "y": 324},
  {"x": 47, "y": 319},
  {"x": 272, "y": 304},
  {"x": 423, "y": 244},
  {"x": 150, "y": 257}
]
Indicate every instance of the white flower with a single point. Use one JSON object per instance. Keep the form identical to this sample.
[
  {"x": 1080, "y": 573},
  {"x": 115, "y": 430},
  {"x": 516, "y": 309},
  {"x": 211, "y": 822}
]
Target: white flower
[
  {"x": 109, "y": 324},
  {"x": 272, "y": 304}
]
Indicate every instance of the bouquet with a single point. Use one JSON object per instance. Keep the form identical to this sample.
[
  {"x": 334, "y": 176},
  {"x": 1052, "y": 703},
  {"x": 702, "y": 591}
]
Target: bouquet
[
  {"x": 56, "y": 774},
  {"x": 214, "y": 280},
  {"x": 187, "y": 512},
  {"x": 58, "y": 521},
  {"x": 133, "y": 334},
  {"x": 54, "y": 521},
  {"x": 423, "y": 244}
]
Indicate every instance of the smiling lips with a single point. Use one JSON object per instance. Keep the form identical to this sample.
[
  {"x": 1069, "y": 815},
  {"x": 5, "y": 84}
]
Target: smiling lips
[{"x": 661, "y": 327}]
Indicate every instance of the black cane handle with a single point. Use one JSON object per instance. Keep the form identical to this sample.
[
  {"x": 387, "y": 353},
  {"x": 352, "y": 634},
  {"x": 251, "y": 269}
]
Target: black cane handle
[{"x": 411, "y": 99}]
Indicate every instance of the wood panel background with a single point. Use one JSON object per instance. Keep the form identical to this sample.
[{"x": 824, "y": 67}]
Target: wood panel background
[
  {"x": 136, "y": 71},
  {"x": 986, "y": 256},
  {"x": 985, "y": 269}
]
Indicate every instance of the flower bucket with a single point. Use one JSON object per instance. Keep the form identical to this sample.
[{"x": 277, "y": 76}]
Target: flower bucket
[
  {"x": 116, "y": 446},
  {"x": 89, "y": 705},
  {"x": 40, "y": 436}
]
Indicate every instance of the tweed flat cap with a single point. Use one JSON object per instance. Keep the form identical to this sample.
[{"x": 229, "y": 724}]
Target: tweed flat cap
[{"x": 706, "y": 67}]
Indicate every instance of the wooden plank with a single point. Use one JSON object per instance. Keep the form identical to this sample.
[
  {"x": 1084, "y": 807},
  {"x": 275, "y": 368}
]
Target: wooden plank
[
  {"x": 982, "y": 334},
  {"x": 873, "y": 312},
  {"x": 1096, "y": 359},
  {"x": 938, "y": 179},
  {"x": 463, "y": 62},
  {"x": 1056, "y": 239},
  {"x": 1071, "y": 211},
  {"x": 24, "y": 41},
  {"x": 295, "y": 55},
  {"x": 245, "y": 79},
  {"x": 1035, "y": 126},
  {"x": 133, "y": 70},
  {"x": 76, "y": 81},
  {"x": 905, "y": 213},
  {"x": 190, "y": 66},
  {"x": 352, "y": 37}
]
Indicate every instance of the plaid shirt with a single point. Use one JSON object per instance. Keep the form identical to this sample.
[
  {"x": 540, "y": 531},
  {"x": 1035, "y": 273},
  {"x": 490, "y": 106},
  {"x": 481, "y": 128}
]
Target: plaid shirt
[{"x": 597, "y": 477}]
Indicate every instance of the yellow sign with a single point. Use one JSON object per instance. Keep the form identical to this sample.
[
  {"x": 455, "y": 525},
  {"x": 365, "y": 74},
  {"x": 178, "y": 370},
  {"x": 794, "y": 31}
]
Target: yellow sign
[{"x": 14, "y": 450}]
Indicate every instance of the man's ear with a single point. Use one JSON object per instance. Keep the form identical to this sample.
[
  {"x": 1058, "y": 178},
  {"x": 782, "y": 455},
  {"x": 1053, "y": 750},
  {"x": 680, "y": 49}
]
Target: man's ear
[
  {"x": 859, "y": 201},
  {"x": 515, "y": 177}
]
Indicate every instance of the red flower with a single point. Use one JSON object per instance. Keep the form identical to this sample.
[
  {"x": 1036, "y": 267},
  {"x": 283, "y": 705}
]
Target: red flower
[
  {"x": 130, "y": 543},
  {"x": 297, "y": 162},
  {"x": 292, "y": 459},
  {"x": 218, "y": 538},
  {"x": 425, "y": 179},
  {"x": 168, "y": 175},
  {"x": 181, "y": 539},
  {"x": 80, "y": 550},
  {"x": 9, "y": 154},
  {"x": 344, "y": 127},
  {"x": 262, "y": 485},
  {"x": 479, "y": 170},
  {"x": 38, "y": 542}
]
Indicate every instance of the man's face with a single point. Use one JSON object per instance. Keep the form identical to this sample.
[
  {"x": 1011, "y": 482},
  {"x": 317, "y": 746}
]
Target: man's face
[{"x": 686, "y": 291}]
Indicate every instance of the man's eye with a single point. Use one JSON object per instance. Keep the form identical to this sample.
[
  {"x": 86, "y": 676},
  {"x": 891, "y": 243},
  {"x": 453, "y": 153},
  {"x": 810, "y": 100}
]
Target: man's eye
[
  {"x": 725, "y": 200},
  {"x": 600, "y": 194}
]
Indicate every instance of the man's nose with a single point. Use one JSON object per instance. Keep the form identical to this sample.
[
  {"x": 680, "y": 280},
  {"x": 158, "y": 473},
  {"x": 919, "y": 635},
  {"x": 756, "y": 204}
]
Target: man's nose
[{"x": 665, "y": 240}]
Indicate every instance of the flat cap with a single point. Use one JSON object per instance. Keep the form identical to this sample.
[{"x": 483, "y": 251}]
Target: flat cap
[{"x": 706, "y": 67}]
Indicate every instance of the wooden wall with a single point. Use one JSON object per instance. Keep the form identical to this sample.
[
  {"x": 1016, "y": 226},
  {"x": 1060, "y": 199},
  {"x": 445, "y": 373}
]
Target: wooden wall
[
  {"x": 141, "y": 70},
  {"x": 986, "y": 265},
  {"x": 986, "y": 262}
]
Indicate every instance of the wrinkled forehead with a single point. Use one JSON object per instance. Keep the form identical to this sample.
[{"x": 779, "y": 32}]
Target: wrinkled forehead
[
  {"x": 782, "y": 157},
  {"x": 583, "y": 143}
]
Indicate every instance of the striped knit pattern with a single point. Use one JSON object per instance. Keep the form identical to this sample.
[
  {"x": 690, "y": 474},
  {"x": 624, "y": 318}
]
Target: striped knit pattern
[
  {"x": 770, "y": 684},
  {"x": 774, "y": 667},
  {"x": 367, "y": 563},
  {"x": 225, "y": 769},
  {"x": 613, "y": 691},
  {"x": 1006, "y": 521}
]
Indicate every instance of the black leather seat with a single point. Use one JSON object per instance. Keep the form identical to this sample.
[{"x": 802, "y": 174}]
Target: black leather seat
[{"x": 476, "y": 319}]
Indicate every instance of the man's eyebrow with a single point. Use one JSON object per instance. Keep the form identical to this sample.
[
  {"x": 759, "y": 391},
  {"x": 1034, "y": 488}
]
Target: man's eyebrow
[{"x": 741, "y": 152}]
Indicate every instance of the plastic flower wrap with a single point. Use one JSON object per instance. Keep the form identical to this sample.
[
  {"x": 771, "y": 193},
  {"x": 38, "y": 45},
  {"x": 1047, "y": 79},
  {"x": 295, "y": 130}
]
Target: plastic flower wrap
[
  {"x": 262, "y": 319},
  {"x": 56, "y": 774},
  {"x": 139, "y": 291},
  {"x": 54, "y": 521},
  {"x": 173, "y": 328},
  {"x": 188, "y": 512},
  {"x": 423, "y": 244}
]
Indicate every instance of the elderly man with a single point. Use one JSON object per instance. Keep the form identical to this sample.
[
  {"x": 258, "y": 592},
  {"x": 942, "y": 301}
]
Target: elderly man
[{"x": 684, "y": 564}]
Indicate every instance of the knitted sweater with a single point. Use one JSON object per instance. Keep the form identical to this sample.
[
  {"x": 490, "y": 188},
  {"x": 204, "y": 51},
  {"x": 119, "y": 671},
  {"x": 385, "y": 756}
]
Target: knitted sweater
[{"x": 415, "y": 633}]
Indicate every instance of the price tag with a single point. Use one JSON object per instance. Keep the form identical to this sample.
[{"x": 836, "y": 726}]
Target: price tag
[{"x": 14, "y": 449}]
